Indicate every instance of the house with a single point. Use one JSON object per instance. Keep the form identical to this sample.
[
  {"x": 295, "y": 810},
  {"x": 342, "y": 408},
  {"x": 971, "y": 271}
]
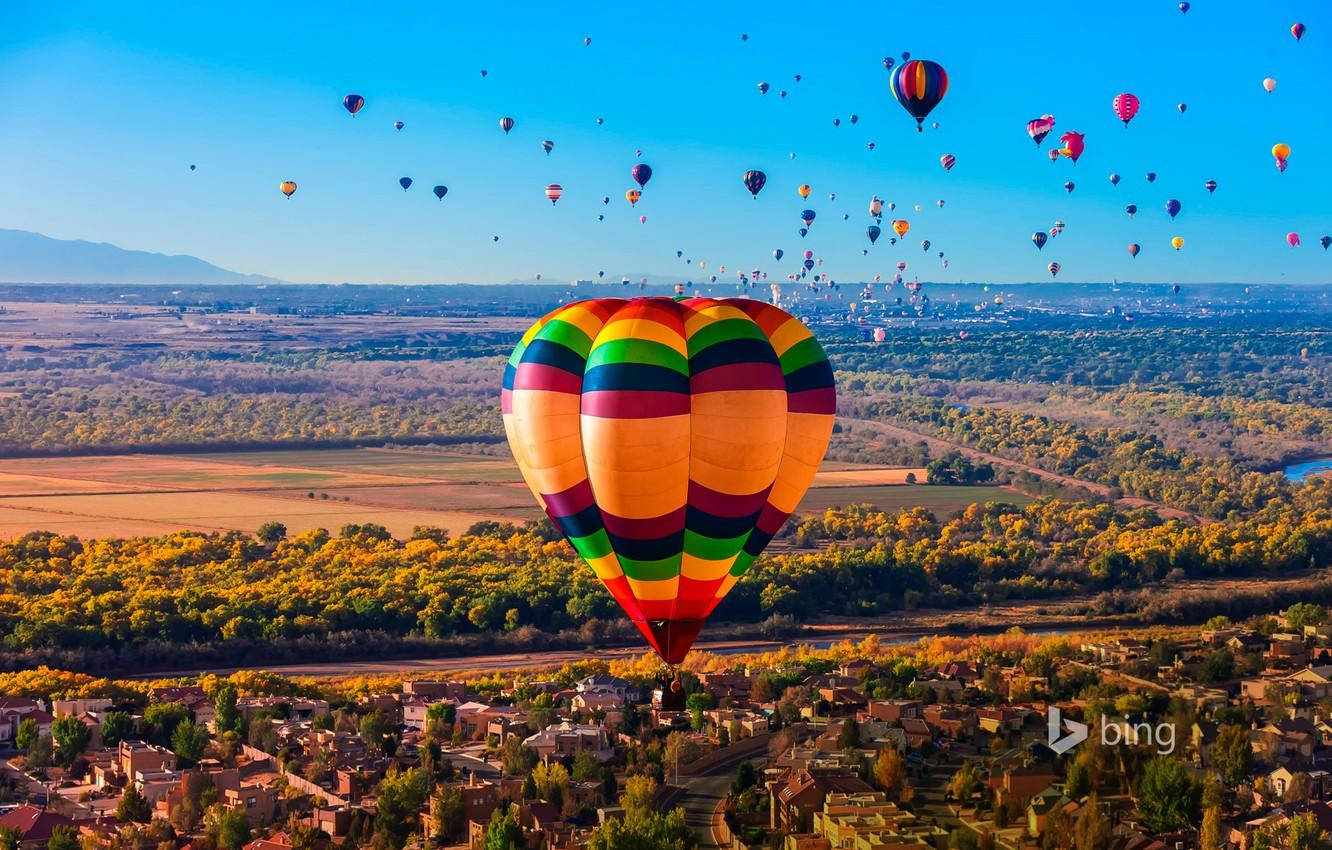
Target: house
[
  {"x": 794, "y": 801},
  {"x": 15, "y": 710},
  {"x": 1000, "y": 720},
  {"x": 1043, "y": 805},
  {"x": 416, "y": 710},
  {"x": 594, "y": 701},
  {"x": 871, "y": 821},
  {"x": 258, "y": 802},
  {"x": 568, "y": 739},
  {"x": 1023, "y": 781},
  {"x": 34, "y": 825},
  {"x": 608, "y": 684},
  {"x": 954, "y": 722},
  {"x": 893, "y": 710},
  {"x": 918, "y": 732},
  {"x": 966, "y": 672},
  {"x": 430, "y": 689}
]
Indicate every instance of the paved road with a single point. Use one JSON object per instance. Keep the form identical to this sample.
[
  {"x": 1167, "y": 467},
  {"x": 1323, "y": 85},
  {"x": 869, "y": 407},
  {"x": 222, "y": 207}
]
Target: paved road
[{"x": 702, "y": 796}]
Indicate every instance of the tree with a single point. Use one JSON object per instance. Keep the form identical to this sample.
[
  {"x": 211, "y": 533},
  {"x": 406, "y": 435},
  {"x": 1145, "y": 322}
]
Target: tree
[
  {"x": 161, "y": 718},
  {"x": 1303, "y": 614},
  {"x": 586, "y": 767},
  {"x": 890, "y": 775},
  {"x": 116, "y": 727},
  {"x": 1232, "y": 754},
  {"x": 655, "y": 832},
  {"x": 63, "y": 838},
  {"x": 1168, "y": 796},
  {"x": 188, "y": 741},
  {"x": 1091, "y": 828},
  {"x": 1077, "y": 779},
  {"x": 680, "y": 748},
  {"x": 1304, "y": 833},
  {"x": 373, "y": 728},
  {"x": 1209, "y": 836},
  {"x": 639, "y": 792},
  {"x": 26, "y": 735},
  {"x": 551, "y": 781},
  {"x": 401, "y": 796},
  {"x": 517, "y": 758},
  {"x": 226, "y": 717},
  {"x": 228, "y": 828},
  {"x": 964, "y": 782},
  {"x": 70, "y": 736},
  {"x": 271, "y": 533},
  {"x": 745, "y": 777},
  {"x": 697, "y": 703},
  {"x": 133, "y": 808},
  {"x": 848, "y": 737},
  {"x": 9, "y": 838},
  {"x": 446, "y": 813},
  {"x": 503, "y": 832}
]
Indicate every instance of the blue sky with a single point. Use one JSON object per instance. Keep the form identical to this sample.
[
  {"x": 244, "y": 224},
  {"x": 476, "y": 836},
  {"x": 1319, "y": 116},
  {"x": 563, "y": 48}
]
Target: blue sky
[{"x": 109, "y": 104}]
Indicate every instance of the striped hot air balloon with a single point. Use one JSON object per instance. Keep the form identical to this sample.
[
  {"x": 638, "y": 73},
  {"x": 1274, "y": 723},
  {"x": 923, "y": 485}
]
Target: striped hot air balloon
[
  {"x": 948, "y": 161},
  {"x": 919, "y": 85},
  {"x": 554, "y": 191},
  {"x": 669, "y": 440},
  {"x": 1125, "y": 106}
]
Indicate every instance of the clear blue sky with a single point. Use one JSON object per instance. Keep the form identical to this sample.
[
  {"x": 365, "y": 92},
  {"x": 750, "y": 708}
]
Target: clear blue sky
[{"x": 108, "y": 104}]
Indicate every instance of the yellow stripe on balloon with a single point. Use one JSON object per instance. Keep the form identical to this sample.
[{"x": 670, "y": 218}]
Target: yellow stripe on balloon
[
  {"x": 647, "y": 329},
  {"x": 726, "y": 585},
  {"x": 653, "y": 590},
  {"x": 920, "y": 81},
  {"x": 583, "y": 318},
  {"x": 606, "y": 567},
  {"x": 790, "y": 333},
  {"x": 698, "y": 569}
]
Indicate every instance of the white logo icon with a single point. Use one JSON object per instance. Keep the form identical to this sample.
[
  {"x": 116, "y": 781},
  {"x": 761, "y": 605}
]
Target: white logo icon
[{"x": 1076, "y": 735}]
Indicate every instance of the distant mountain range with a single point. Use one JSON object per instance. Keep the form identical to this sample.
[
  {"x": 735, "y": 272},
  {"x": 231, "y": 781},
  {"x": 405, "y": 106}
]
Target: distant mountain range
[{"x": 27, "y": 257}]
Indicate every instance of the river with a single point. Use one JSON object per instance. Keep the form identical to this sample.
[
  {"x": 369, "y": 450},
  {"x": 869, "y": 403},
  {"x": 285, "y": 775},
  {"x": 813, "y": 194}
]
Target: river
[{"x": 1298, "y": 472}]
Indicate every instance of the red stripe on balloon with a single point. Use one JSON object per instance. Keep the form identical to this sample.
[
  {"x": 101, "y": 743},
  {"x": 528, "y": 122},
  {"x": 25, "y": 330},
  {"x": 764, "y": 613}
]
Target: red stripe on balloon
[
  {"x": 634, "y": 404},
  {"x": 540, "y": 376},
  {"x": 726, "y": 505},
  {"x": 738, "y": 376}
]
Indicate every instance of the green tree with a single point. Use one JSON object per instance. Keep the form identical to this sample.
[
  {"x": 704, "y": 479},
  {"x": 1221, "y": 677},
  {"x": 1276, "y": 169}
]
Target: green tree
[
  {"x": 9, "y": 838},
  {"x": 228, "y": 828},
  {"x": 160, "y": 720},
  {"x": 26, "y": 735},
  {"x": 745, "y": 778},
  {"x": 848, "y": 738},
  {"x": 1303, "y": 614},
  {"x": 516, "y": 758},
  {"x": 116, "y": 727},
  {"x": 271, "y": 533},
  {"x": 1077, "y": 779},
  {"x": 188, "y": 741},
  {"x": 374, "y": 728},
  {"x": 1168, "y": 796},
  {"x": 400, "y": 798},
  {"x": 446, "y": 813},
  {"x": 1304, "y": 833},
  {"x": 1232, "y": 754},
  {"x": 227, "y": 718},
  {"x": 655, "y": 832},
  {"x": 638, "y": 796},
  {"x": 132, "y": 807},
  {"x": 1091, "y": 828},
  {"x": 1209, "y": 836},
  {"x": 503, "y": 832},
  {"x": 63, "y": 838},
  {"x": 70, "y": 735}
]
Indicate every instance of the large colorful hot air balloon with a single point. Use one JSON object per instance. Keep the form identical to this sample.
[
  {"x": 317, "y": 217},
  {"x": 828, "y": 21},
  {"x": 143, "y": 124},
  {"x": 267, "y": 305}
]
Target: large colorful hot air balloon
[
  {"x": 1039, "y": 128},
  {"x": 1297, "y": 29},
  {"x": 1039, "y": 238},
  {"x": 353, "y": 103},
  {"x": 1073, "y": 145},
  {"x": 1172, "y": 207},
  {"x": 288, "y": 187},
  {"x": 441, "y": 191},
  {"x": 1125, "y": 105},
  {"x": 1054, "y": 269},
  {"x": 669, "y": 441},
  {"x": 755, "y": 181},
  {"x": 919, "y": 85},
  {"x": 948, "y": 161},
  {"x": 642, "y": 173},
  {"x": 1134, "y": 248},
  {"x": 901, "y": 226},
  {"x": 553, "y": 192}
]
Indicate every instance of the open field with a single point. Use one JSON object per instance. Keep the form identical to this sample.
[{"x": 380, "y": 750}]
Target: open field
[{"x": 121, "y": 495}]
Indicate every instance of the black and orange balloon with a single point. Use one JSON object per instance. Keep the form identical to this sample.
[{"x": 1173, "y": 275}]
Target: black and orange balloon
[{"x": 669, "y": 440}]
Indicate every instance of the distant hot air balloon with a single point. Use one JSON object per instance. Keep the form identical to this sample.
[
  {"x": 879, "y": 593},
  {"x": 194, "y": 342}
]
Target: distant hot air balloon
[
  {"x": 553, "y": 192},
  {"x": 1054, "y": 269},
  {"x": 642, "y": 219},
  {"x": 901, "y": 226},
  {"x": 778, "y": 253},
  {"x": 873, "y": 232},
  {"x": 1039, "y": 128},
  {"x": 1210, "y": 186},
  {"x": 405, "y": 183},
  {"x": 763, "y": 88},
  {"x": 1177, "y": 242},
  {"x": 1125, "y": 105},
  {"x": 744, "y": 36},
  {"x": 398, "y": 125},
  {"x": 1297, "y": 30},
  {"x": 441, "y": 191},
  {"x": 876, "y": 207},
  {"x": 837, "y": 122},
  {"x": 548, "y": 146},
  {"x": 1325, "y": 241},
  {"x": 288, "y": 187},
  {"x": 1184, "y": 7},
  {"x": 807, "y": 216},
  {"x": 353, "y": 103},
  {"x": 880, "y": 334},
  {"x": 1269, "y": 84},
  {"x": 869, "y": 145},
  {"x": 1134, "y": 248},
  {"x": 587, "y": 41},
  {"x": 1069, "y": 185},
  {"x": 632, "y": 196},
  {"x": 506, "y": 124},
  {"x": 484, "y": 72},
  {"x": 1151, "y": 176},
  {"x": 1293, "y": 239},
  {"x": 755, "y": 181},
  {"x": 1054, "y": 154},
  {"x": 803, "y": 190},
  {"x": 1280, "y": 152},
  {"x": 888, "y": 63},
  {"x": 939, "y": 203},
  {"x": 782, "y": 94},
  {"x": 1182, "y": 107},
  {"x": 1114, "y": 179},
  {"x": 918, "y": 86},
  {"x": 854, "y": 118},
  {"x": 192, "y": 167},
  {"x": 642, "y": 173},
  {"x": 1073, "y": 145},
  {"x": 1172, "y": 207},
  {"x": 1039, "y": 239},
  {"x": 1131, "y": 209},
  {"x": 948, "y": 161},
  {"x": 925, "y": 245}
]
